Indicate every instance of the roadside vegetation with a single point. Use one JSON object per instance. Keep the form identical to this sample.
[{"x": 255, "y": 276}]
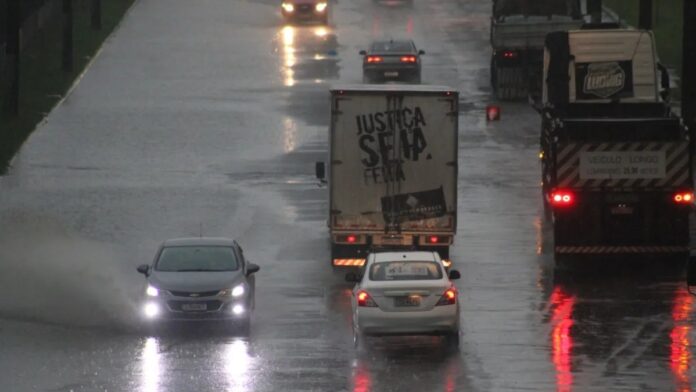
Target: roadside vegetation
[{"x": 43, "y": 83}]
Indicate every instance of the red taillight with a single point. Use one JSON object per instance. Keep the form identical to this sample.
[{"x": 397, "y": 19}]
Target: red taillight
[
  {"x": 351, "y": 239},
  {"x": 562, "y": 198},
  {"x": 374, "y": 59},
  {"x": 509, "y": 54},
  {"x": 448, "y": 298},
  {"x": 433, "y": 239},
  {"x": 684, "y": 198},
  {"x": 365, "y": 300},
  {"x": 408, "y": 59}
]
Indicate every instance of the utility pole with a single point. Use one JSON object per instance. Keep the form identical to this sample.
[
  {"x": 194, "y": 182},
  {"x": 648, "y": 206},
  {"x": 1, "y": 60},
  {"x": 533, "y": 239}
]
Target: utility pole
[
  {"x": 96, "y": 15},
  {"x": 645, "y": 16},
  {"x": 688, "y": 79},
  {"x": 14, "y": 21},
  {"x": 68, "y": 55}
]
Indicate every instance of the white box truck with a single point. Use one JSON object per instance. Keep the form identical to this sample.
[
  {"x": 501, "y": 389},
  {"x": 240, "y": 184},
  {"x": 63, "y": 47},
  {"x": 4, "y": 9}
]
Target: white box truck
[{"x": 392, "y": 170}]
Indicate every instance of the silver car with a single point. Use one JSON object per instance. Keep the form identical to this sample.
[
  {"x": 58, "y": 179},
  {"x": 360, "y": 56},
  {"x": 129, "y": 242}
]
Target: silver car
[
  {"x": 405, "y": 293},
  {"x": 199, "y": 279}
]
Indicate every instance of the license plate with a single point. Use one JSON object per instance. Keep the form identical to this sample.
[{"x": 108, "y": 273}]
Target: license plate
[
  {"x": 391, "y": 74},
  {"x": 407, "y": 301},
  {"x": 195, "y": 307}
]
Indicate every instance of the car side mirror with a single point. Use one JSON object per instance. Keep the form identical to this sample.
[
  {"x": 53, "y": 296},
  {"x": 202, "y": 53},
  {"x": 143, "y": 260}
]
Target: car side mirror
[
  {"x": 144, "y": 269},
  {"x": 352, "y": 277},
  {"x": 252, "y": 268},
  {"x": 454, "y": 275},
  {"x": 421, "y": 52},
  {"x": 362, "y": 52},
  {"x": 320, "y": 171}
]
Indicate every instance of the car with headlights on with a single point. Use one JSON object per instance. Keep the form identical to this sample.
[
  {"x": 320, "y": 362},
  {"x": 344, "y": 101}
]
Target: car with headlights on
[
  {"x": 305, "y": 11},
  {"x": 405, "y": 293},
  {"x": 387, "y": 60},
  {"x": 199, "y": 279}
]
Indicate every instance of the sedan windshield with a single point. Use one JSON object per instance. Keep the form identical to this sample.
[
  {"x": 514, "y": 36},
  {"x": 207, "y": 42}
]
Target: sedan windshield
[
  {"x": 392, "y": 46},
  {"x": 197, "y": 258},
  {"x": 405, "y": 270}
]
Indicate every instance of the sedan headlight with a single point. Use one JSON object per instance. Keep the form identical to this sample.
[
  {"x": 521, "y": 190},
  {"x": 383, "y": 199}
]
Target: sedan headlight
[
  {"x": 151, "y": 291},
  {"x": 236, "y": 292},
  {"x": 320, "y": 7},
  {"x": 288, "y": 7}
]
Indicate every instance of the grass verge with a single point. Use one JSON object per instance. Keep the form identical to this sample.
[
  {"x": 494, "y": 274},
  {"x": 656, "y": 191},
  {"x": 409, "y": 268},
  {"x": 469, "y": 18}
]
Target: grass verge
[{"x": 43, "y": 83}]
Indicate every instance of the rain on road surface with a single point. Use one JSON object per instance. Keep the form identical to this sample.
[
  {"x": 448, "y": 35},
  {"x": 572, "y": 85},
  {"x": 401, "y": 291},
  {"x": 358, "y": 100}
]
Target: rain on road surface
[{"x": 206, "y": 117}]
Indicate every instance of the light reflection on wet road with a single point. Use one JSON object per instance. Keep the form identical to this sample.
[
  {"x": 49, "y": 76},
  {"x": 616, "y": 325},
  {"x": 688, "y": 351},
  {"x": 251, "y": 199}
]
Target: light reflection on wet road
[{"x": 214, "y": 125}]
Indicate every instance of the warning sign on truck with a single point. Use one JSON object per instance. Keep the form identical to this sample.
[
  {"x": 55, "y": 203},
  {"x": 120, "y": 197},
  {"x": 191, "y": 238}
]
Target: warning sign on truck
[{"x": 617, "y": 165}]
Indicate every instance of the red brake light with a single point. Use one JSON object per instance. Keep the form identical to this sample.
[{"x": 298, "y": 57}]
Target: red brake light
[
  {"x": 408, "y": 59},
  {"x": 374, "y": 59},
  {"x": 562, "y": 198},
  {"x": 351, "y": 239},
  {"x": 509, "y": 54},
  {"x": 434, "y": 239},
  {"x": 448, "y": 298},
  {"x": 683, "y": 198},
  {"x": 365, "y": 300}
]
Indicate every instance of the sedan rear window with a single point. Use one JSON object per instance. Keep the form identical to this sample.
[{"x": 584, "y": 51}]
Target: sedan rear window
[
  {"x": 405, "y": 270},
  {"x": 392, "y": 46},
  {"x": 197, "y": 258}
]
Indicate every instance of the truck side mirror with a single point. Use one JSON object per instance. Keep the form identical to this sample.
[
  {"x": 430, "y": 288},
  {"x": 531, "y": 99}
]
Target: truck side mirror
[
  {"x": 320, "y": 171},
  {"x": 664, "y": 82},
  {"x": 421, "y": 52}
]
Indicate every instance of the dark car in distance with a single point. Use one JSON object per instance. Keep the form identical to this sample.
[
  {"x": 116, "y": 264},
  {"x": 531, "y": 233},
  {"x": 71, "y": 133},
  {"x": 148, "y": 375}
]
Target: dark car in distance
[{"x": 397, "y": 60}]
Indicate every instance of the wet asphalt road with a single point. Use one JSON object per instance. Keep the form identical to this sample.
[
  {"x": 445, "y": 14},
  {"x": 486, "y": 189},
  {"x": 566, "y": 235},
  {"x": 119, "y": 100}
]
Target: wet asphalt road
[{"x": 206, "y": 117}]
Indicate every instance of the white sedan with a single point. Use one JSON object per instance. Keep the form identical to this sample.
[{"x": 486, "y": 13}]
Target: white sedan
[{"x": 405, "y": 293}]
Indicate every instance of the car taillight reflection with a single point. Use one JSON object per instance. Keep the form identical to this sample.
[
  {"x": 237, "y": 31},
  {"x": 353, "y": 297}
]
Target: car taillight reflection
[
  {"x": 680, "y": 335},
  {"x": 374, "y": 59},
  {"x": 562, "y": 198},
  {"x": 561, "y": 338},
  {"x": 364, "y": 300},
  {"x": 509, "y": 54}
]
